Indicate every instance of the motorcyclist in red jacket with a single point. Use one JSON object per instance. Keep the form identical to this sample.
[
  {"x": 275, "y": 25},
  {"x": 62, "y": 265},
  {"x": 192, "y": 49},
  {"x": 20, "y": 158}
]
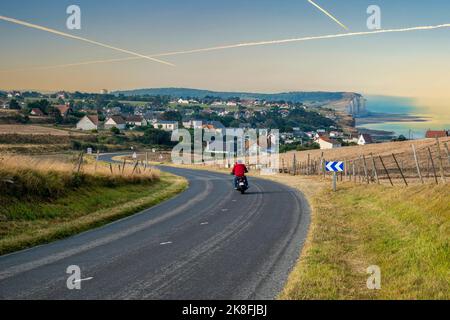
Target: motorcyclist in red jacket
[{"x": 239, "y": 170}]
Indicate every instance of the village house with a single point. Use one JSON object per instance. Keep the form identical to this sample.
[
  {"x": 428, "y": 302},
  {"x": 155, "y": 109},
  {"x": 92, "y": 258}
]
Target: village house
[
  {"x": 166, "y": 125},
  {"x": 36, "y": 112},
  {"x": 88, "y": 123},
  {"x": 136, "y": 121},
  {"x": 183, "y": 102},
  {"x": 336, "y": 134},
  {"x": 61, "y": 95},
  {"x": 193, "y": 124},
  {"x": 215, "y": 126},
  {"x": 63, "y": 110},
  {"x": 327, "y": 143},
  {"x": 317, "y": 135},
  {"x": 284, "y": 113},
  {"x": 351, "y": 139},
  {"x": 223, "y": 113},
  {"x": 115, "y": 122},
  {"x": 14, "y": 94},
  {"x": 365, "y": 139},
  {"x": 114, "y": 111},
  {"x": 433, "y": 134}
]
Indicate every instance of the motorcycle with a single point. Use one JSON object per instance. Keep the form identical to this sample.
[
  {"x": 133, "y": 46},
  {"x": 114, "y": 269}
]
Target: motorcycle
[{"x": 242, "y": 185}]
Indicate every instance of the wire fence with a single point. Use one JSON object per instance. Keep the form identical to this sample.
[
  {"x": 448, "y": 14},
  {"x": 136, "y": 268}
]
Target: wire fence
[{"x": 429, "y": 164}]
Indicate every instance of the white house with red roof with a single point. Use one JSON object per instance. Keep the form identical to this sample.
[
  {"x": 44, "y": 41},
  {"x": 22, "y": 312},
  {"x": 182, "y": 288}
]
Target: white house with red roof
[
  {"x": 115, "y": 122},
  {"x": 63, "y": 109},
  {"x": 365, "y": 139},
  {"x": 328, "y": 143},
  {"x": 88, "y": 123}
]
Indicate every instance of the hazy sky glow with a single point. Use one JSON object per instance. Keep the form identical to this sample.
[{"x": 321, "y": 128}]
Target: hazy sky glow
[{"x": 412, "y": 64}]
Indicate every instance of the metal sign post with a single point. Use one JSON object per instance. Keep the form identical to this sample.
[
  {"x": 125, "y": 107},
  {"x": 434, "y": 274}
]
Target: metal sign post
[{"x": 334, "y": 181}]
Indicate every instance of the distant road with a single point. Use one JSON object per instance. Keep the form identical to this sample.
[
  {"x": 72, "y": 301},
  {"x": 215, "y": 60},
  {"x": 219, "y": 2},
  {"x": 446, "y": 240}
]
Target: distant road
[{"x": 210, "y": 242}]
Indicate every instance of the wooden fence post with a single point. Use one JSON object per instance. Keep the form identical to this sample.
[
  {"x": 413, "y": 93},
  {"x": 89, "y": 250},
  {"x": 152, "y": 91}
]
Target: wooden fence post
[
  {"x": 358, "y": 171},
  {"x": 308, "y": 164},
  {"x": 80, "y": 162},
  {"x": 386, "y": 170},
  {"x": 448, "y": 153},
  {"x": 321, "y": 164},
  {"x": 124, "y": 163},
  {"x": 135, "y": 166},
  {"x": 294, "y": 163},
  {"x": 345, "y": 169},
  {"x": 401, "y": 171},
  {"x": 96, "y": 161},
  {"x": 375, "y": 169},
  {"x": 354, "y": 170},
  {"x": 366, "y": 173},
  {"x": 324, "y": 171},
  {"x": 432, "y": 164},
  {"x": 441, "y": 165},
  {"x": 417, "y": 163}
]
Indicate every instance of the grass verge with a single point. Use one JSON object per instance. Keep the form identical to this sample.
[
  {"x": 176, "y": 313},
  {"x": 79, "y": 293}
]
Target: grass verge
[
  {"x": 404, "y": 231},
  {"x": 25, "y": 224}
]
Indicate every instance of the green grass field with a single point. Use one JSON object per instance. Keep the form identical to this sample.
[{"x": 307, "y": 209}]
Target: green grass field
[{"x": 404, "y": 231}]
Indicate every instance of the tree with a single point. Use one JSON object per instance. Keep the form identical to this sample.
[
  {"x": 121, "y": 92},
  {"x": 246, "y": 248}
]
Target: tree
[
  {"x": 115, "y": 130},
  {"x": 154, "y": 136},
  {"x": 13, "y": 104},
  {"x": 172, "y": 116},
  {"x": 43, "y": 105},
  {"x": 55, "y": 114}
]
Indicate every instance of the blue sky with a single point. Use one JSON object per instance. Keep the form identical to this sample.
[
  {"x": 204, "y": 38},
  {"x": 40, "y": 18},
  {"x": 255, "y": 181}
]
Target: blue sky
[{"x": 397, "y": 64}]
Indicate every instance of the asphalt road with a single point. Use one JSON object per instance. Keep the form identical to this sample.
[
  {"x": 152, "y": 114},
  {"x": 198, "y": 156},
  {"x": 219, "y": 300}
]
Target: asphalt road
[{"x": 209, "y": 242}]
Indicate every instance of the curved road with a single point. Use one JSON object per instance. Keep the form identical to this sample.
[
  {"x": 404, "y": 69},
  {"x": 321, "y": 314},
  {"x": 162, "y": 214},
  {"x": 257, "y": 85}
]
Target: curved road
[{"x": 209, "y": 242}]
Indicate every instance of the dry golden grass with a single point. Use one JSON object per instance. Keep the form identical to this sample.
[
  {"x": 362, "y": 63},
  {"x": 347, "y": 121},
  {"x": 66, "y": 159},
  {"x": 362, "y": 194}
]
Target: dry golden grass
[
  {"x": 47, "y": 198},
  {"x": 34, "y": 130},
  {"x": 33, "y": 148},
  {"x": 8, "y": 112},
  {"x": 15, "y": 163}
]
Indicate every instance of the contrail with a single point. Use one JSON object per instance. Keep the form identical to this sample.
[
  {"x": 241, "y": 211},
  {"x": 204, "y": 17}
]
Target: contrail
[
  {"x": 252, "y": 44},
  {"x": 34, "y": 26},
  {"x": 328, "y": 14}
]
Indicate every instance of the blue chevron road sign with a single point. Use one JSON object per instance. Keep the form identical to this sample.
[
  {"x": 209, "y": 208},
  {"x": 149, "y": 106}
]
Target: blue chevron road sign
[{"x": 334, "y": 166}]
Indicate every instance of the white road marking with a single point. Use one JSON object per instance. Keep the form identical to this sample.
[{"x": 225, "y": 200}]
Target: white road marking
[
  {"x": 27, "y": 266},
  {"x": 204, "y": 223},
  {"x": 224, "y": 210},
  {"x": 165, "y": 243},
  {"x": 86, "y": 279}
]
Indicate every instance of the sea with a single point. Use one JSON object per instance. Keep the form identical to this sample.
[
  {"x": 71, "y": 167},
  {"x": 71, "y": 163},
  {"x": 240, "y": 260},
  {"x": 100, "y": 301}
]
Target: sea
[{"x": 405, "y": 116}]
